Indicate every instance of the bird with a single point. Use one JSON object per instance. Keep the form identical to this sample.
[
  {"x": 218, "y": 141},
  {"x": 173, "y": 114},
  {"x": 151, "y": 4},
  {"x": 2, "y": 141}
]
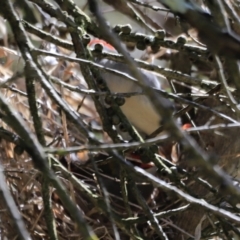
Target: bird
[
  {"x": 140, "y": 112},
  {"x": 138, "y": 109}
]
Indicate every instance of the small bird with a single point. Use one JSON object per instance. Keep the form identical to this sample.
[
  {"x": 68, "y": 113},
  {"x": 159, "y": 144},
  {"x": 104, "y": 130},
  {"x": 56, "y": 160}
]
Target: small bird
[
  {"x": 138, "y": 109},
  {"x": 140, "y": 112}
]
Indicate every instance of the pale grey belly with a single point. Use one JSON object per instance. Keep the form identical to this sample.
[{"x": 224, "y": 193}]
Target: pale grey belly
[{"x": 141, "y": 114}]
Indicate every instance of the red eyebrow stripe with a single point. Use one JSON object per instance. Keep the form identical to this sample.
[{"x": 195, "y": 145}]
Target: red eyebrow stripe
[
  {"x": 105, "y": 44},
  {"x": 186, "y": 126}
]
